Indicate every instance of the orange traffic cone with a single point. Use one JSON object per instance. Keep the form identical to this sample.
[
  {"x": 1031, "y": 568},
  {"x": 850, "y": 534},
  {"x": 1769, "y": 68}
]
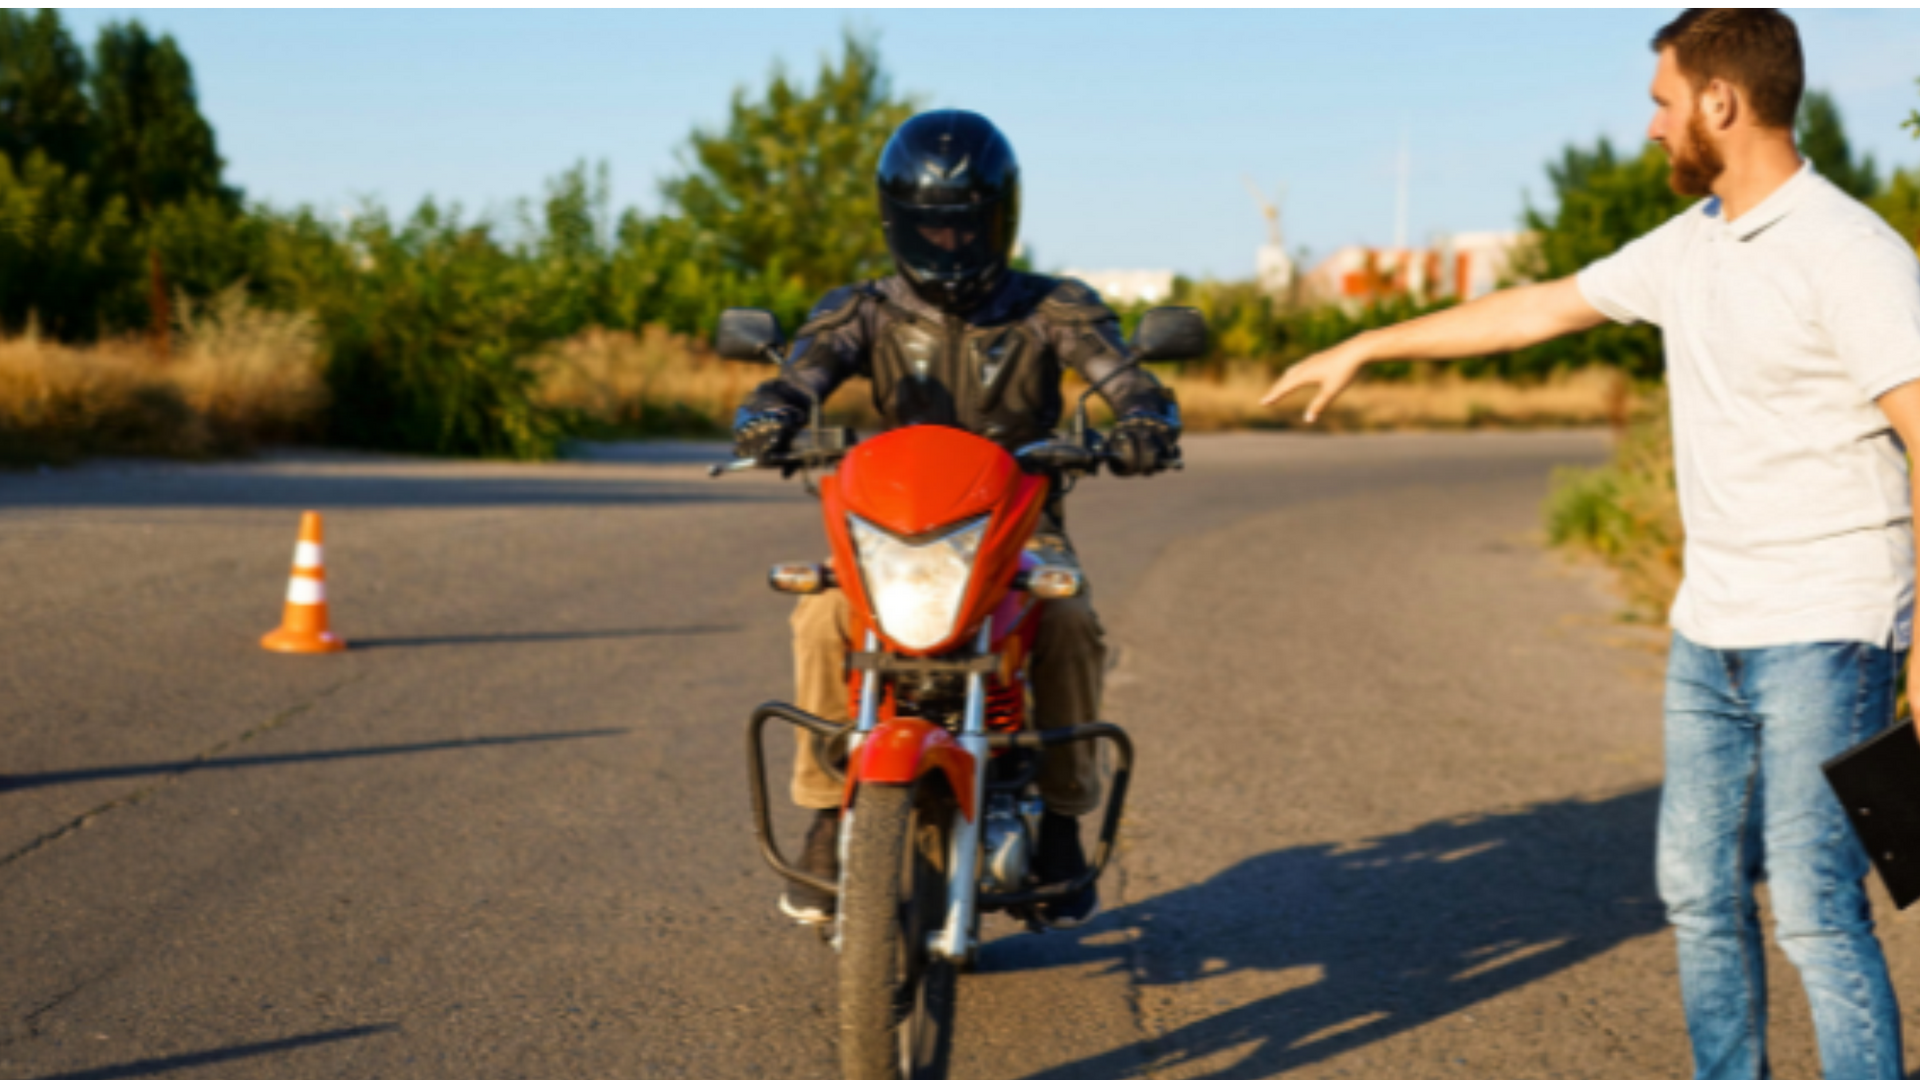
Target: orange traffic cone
[{"x": 304, "y": 627}]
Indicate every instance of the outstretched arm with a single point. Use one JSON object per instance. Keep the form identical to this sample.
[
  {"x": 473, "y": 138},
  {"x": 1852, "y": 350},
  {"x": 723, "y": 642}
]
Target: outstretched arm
[{"x": 1510, "y": 319}]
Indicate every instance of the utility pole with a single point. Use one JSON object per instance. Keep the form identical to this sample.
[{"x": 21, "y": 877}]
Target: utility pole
[{"x": 1403, "y": 194}]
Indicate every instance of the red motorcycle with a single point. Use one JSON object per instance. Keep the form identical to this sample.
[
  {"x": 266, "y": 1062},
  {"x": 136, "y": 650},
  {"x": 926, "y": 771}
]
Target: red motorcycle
[{"x": 928, "y": 527}]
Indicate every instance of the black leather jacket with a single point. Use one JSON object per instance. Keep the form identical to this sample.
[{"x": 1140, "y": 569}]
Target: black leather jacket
[{"x": 994, "y": 372}]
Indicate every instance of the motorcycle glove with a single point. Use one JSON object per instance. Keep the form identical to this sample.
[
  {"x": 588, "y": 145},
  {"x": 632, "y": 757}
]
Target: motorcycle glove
[
  {"x": 758, "y": 433},
  {"x": 1142, "y": 445}
]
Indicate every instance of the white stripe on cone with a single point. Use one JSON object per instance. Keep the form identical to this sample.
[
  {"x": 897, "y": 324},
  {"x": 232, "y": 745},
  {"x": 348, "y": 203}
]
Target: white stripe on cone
[
  {"x": 306, "y": 590},
  {"x": 306, "y": 555}
]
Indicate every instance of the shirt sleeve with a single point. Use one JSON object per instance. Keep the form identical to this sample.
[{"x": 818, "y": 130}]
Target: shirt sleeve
[
  {"x": 1630, "y": 285},
  {"x": 1870, "y": 303}
]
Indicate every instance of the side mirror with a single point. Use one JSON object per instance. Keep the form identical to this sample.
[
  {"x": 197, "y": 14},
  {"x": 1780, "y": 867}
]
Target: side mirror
[
  {"x": 750, "y": 334},
  {"x": 1171, "y": 333}
]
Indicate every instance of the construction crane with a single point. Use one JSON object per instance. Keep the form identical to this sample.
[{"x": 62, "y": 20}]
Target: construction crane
[{"x": 1272, "y": 267}]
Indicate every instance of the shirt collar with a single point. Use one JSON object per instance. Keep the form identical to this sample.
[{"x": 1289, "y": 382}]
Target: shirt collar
[{"x": 1771, "y": 209}]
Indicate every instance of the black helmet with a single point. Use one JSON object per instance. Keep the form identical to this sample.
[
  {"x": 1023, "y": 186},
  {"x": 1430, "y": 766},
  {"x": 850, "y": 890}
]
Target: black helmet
[{"x": 950, "y": 202}]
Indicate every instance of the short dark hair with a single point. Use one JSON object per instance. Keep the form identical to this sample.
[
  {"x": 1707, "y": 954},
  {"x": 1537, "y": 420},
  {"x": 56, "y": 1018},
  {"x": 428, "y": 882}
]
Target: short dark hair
[{"x": 1756, "y": 49}]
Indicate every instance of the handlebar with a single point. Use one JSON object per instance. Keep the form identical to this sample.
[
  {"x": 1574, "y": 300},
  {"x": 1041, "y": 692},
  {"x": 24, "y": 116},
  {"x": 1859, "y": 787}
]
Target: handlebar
[
  {"x": 1063, "y": 457},
  {"x": 1056, "y": 456},
  {"x": 788, "y": 463}
]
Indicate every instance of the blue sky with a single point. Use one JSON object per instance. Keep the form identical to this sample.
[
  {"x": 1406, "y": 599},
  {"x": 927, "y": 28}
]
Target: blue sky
[{"x": 1134, "y": 128}]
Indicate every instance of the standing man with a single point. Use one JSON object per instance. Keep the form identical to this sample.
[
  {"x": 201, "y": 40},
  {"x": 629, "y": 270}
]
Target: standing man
[{"x": 1791, "y": 318}]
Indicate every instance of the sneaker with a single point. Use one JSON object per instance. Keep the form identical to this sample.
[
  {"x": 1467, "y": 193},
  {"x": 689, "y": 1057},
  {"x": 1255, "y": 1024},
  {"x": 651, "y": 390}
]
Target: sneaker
[
  {"x": 821, "y": 858},
  {"x": 1061, "y": 858}
]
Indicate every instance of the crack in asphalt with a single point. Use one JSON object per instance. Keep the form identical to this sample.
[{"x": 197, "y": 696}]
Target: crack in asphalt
[
  {"x": 30, "y": 1023},
  {"x": 192, "y": 764}
]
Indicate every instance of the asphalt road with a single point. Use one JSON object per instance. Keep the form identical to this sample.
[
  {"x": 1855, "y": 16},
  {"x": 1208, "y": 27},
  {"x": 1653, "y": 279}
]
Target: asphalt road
[{"x": 1393, "y": 817}]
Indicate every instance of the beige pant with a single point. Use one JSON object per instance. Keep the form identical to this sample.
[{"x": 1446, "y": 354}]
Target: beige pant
[{"x": 1069, "y": 656}]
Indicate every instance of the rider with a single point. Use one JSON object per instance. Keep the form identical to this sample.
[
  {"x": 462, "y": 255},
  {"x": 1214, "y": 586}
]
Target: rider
[{"x": 957, "y": 337}]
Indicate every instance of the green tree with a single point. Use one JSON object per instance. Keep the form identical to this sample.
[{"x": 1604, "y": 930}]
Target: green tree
[
  {"x": 1603, "y": 201},
  {"x": 1899, "y": 202},
  {"x": 153, "y": 147},
  {"x": 43, "y": 99},
  {"x": 1822, "y": 137},
  {"x": 785, "y": 190},
  {"x": 63, "y": 252}
]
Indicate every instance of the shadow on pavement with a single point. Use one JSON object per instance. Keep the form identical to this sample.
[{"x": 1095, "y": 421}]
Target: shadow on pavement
[
  {"x": 1377, "y": 938},
  {"x": 358, "y": 644},
  {"x": 156, "y": 1066},
  {"x": 220, "y": 487},
  {"x": 22, "y": 781}
]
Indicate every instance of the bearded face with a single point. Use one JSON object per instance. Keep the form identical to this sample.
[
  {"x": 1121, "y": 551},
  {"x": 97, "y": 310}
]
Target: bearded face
[{"x": 1694, "y": 163}]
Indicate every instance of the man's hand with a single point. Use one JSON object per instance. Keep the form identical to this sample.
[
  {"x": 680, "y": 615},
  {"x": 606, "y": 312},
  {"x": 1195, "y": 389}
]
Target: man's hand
[{"x": 1332, "y": 371}]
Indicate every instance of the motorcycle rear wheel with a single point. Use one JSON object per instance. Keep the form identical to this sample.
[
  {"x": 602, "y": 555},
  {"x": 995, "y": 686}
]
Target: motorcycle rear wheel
[{"x": 896, "y": 998}]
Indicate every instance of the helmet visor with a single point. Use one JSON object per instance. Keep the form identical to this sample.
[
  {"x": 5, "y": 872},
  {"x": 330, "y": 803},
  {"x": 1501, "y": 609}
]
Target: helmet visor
[{"x": 947, "y": 243}]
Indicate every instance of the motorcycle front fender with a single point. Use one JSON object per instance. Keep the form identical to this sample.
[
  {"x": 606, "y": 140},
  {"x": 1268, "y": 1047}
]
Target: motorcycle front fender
[{"x": 902, "y": 750}]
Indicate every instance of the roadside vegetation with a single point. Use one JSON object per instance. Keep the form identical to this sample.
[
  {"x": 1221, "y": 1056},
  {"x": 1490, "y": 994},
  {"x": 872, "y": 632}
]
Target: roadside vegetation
[
  {"x": 242, "y": 376},
  {"x": 1627, "y": 513},
  {"x": 148, "y": 306}
]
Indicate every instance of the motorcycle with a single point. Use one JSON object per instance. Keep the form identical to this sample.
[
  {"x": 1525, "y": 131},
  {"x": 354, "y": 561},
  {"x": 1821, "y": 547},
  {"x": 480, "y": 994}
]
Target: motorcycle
[{"x": 928, "y": 528}]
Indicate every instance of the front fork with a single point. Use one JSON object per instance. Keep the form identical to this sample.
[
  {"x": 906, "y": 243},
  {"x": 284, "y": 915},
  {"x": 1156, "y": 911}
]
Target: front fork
[{"x": 955, "y": 941}]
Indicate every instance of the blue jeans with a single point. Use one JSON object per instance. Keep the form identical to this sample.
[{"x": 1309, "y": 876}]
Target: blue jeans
[{"x": 1747, "y": 730}]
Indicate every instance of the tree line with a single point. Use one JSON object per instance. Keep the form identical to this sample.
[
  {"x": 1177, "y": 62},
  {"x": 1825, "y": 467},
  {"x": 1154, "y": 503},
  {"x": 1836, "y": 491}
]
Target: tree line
[{"x": 114, "y": 206}]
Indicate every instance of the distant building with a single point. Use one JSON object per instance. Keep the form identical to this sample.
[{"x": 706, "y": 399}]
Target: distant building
[
  {"x": 1273, "y": 270},
  {"x": 1465, "y": 266},
  {"x": 1481, "y": 260},
  {"x": 1127, "y": 286}
]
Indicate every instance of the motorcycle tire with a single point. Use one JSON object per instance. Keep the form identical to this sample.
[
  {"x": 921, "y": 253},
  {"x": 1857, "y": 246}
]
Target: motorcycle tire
[{"x": 896, "y": 998}]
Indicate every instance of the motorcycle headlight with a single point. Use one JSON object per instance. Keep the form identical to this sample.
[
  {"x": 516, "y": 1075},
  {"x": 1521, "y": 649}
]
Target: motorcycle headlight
[{"x": 916, "y": 589}]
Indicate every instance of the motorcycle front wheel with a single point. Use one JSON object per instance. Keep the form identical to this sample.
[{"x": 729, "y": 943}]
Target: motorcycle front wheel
[{"x": 896, "y": 998}]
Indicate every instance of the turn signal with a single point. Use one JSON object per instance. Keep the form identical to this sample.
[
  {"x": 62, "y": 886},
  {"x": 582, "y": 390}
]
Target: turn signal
[
  {"x": 1054, "y": 582},
  {"x": 800, "y": 577}
]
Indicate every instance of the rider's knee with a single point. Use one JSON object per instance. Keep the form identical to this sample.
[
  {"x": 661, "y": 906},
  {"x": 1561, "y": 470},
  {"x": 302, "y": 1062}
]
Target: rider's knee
[{"x": 1069, "y": 623}]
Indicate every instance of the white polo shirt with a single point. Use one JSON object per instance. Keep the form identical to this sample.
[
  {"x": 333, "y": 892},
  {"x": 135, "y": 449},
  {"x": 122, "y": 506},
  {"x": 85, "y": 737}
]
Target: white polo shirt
[{"x": 1781, "y": 329}]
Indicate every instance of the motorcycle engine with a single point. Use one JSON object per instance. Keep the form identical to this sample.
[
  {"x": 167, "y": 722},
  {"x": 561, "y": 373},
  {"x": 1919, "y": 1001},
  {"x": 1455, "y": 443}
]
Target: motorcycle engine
[{"x": 1007, "y": 843}]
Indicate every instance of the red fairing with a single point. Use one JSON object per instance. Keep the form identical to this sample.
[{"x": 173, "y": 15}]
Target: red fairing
[
  {"x": 900, "y": 750},
  {"x": 916, "y": 480}
]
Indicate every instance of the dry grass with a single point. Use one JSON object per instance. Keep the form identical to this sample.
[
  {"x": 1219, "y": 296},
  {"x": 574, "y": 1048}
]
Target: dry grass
[
  {"x": 1440, "y": 401},
  {"x": 659, "y": 383},
  {"x": 252, "y": 374},
  {"x": 241, "y": 376}
]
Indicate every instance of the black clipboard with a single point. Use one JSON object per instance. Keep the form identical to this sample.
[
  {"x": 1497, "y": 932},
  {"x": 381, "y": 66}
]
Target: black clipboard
[{"x": 1878, "y": 783}]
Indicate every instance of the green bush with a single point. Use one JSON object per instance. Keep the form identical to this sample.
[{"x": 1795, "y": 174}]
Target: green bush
[
  {"x": 430, "y": 324},
  {"x": 1627, "y": 512}
]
